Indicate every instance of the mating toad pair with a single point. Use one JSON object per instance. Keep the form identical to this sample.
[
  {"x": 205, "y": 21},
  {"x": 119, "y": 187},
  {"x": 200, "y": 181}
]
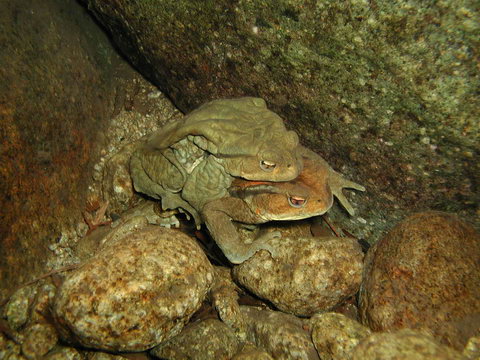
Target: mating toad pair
[{"x": 234, "y": 160}]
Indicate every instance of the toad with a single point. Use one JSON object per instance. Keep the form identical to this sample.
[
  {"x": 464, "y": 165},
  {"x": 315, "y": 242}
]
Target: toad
[
  {"x": 189, "y": 163},
  {"x": 250, "y": 202}
]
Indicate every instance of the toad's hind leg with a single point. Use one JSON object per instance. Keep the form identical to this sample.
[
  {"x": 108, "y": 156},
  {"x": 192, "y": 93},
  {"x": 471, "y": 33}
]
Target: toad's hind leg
[
  {"x": 337, "y": 183},
  {"x": 218, "y": 220}
]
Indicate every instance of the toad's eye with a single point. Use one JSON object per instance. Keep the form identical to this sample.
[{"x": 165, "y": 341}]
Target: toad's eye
[
  {"x": 267, "y": 165},
  {"x": 297, "y": 201}
]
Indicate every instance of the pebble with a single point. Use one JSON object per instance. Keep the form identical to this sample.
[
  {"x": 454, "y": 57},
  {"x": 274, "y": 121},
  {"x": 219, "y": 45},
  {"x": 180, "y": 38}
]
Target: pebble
[
  {"x": 39, "y": 339},
  {"x": 283, "y": 336},
  {"x": 335, "y": 335},
  {"x": 403, "y": 344},
  {"x": 208, "y": 339}
]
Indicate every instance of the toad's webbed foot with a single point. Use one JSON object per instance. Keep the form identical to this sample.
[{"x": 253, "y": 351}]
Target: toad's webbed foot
[
  {"x": 337, "y": 183},
  {"x": 242, "y": 252}
]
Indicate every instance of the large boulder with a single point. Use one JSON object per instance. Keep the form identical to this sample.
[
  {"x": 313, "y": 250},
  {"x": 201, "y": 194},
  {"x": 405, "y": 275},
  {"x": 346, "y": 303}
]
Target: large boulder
[
  {"x": 386, "y": 88},
  {"x": 425, "y": 273}
]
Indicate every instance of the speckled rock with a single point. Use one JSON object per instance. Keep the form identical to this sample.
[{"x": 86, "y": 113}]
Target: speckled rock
[
  {"x": 39, "y": 339},
  {"x": 387, "y": 89},
  {"x": 117, "y": 187},
  {"x": 63, "y": 353},
  {"x": 472, "y": 349},
  {"x": 224, "y": 298},
  {"x": 9, "y": 349},
  {"x": 335, "y": 335},
  {"x": 283, "y": 336},
  {"x": 404, "y": 344},
  {"x": 308, "y": 275},
  {"x": 139, "y": 290},
  {"x": 208, "y": 339},
  {"x": 250, "y": 352},
  {"x": 425, "y": 273},
  {"x": 98, "y": 355},
  {"x": 17, "y": 310}
]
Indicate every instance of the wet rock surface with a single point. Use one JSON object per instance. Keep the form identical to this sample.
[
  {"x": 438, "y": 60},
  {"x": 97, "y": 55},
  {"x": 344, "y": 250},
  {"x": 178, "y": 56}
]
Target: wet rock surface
[
  {"x": 425, "y": 273},
  {"x": 138, "y": 291},
  {"x": 283, "y": 336},
  {"x": 308, "y": 275},
  {"x": 40, "y": 338},
  {"x": 252, "y": 353},
  {"x": 209, "y": 339},
  {"x": 64, "y": 353},
  {"x": 403, "y": 345},
  {"x": 59, "y": 82},
  {"x": 335, "y": 336},
  {"x": 472, "y": 349},
  {"x": 385, "y": 89},
  {"x": 224, "y": 298}
]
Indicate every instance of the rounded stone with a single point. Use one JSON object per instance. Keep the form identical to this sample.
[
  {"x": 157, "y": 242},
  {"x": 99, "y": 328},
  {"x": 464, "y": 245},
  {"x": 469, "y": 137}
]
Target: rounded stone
[
  {"x": 64, "y": 353},
  {"x": 335, "y": 335},
  {"x": 307, "y": 275},
  {"x": 425, "y": 273},
  {"x": 404, "y": 344},
  {"x": 40, "y": 338},
  {"x": 250, "y": 352},
  {"x": 208, "y": 339},
  {"x": 283, "y": 336},
  {"x": 139, "y": 290}
]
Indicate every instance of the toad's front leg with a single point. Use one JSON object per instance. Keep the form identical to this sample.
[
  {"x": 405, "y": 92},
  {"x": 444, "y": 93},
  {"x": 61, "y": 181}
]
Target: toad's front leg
[{"x": 218, "y": 216}]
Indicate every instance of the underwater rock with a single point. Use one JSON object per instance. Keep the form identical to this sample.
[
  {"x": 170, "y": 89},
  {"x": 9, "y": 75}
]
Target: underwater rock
[
  {"x": 208, "y": 339},
  {"x": 308, "y": 275},
  {"x": 224, "y": 298},
  {"x": 335, "y": 335},
  {"x": 139, "y": 290},
  {"x": 9, "y": 349},
  {"x": 250, "y": 352},
  {"x": 39, "y": 339},
  {"x": 472, "y": 349},
  {"x": 404, "y": 344},
  {"x": 17, "y": 310},
  {"x": 117, "y": 187},
  {"x": 64, "y": 353},
  {"x": 283, "y": 336},
  {"x": 425, "y": 273}
]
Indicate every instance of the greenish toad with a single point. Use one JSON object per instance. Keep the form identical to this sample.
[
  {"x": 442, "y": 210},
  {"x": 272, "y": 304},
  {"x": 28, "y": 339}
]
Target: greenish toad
[{"x": 191, "y": 162}]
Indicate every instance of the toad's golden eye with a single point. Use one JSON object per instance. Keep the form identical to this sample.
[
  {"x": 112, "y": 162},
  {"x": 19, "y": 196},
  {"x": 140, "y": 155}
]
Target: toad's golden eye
[
  {"x": 297, "y": 201},
  {"x": 267, "y": 165}
]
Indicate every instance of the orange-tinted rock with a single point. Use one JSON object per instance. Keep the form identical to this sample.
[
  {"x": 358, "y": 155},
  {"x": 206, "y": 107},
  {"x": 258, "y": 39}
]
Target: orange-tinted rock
[
  {"x": 140, "y": 289},
  {"x": 404, "y": 344},
  {"x": 425, "y": 273},
  {"x": 57, "y": 91}
]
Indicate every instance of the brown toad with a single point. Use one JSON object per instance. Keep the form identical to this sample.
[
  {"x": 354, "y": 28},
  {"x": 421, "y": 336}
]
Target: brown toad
[{"x": 251, "y": 202}]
